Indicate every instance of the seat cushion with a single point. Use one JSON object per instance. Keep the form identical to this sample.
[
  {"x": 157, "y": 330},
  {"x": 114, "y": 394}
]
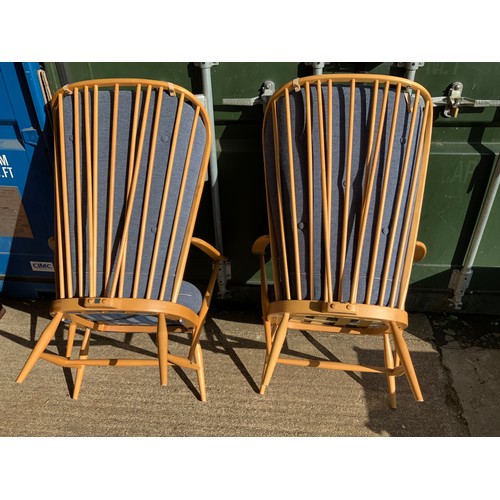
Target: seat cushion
[{"x": 189, "y": 296}]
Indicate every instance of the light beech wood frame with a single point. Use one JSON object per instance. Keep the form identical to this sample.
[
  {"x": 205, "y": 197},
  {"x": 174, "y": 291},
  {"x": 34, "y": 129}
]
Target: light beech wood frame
[
  {"x": 333, "y": 313},
  {"x": 71, "y": 302}
]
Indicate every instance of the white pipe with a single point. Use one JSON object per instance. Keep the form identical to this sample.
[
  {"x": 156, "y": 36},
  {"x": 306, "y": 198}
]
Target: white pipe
[
  {"x": 317, "y": 67},
  {"x": 410, "y": 69},
  {"x": 461, "y": 277},
  {"x": 206, "y": 79},
  {"x": 483, "y": 217}
]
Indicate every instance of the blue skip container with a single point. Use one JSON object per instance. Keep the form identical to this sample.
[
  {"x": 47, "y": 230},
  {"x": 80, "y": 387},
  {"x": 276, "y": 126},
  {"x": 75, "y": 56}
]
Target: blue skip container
[{"x": 26, "y": 184}]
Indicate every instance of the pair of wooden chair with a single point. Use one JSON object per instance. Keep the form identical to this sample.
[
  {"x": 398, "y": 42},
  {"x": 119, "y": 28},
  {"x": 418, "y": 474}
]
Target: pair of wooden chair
[{"x": 345, "y": 161}]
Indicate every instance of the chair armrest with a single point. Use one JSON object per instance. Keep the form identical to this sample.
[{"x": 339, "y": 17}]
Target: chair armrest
[
  {"x": 420, "y": 251},
  {"x": 208, "y": 249},
  {"x": 260, "y": 245},
  {"x": 259, "y": 248}
]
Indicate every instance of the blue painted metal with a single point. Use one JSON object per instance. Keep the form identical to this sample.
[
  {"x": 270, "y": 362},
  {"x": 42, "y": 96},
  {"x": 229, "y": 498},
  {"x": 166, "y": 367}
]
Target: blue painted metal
[{"x": 26, "y": 184}]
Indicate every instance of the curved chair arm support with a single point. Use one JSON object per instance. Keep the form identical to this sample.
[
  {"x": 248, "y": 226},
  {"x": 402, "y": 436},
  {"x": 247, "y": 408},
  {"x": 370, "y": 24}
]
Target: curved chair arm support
[
  {"x": 259, "y": 248},
  {"x": 260, "y": 245},
  {"x": 420, "y": 251},
  {"x": 217, "y": 257},
  {"x": 208, "y": 249}
]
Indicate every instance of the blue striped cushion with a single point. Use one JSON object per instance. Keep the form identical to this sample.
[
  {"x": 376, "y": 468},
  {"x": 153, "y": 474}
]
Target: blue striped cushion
[
  {"x": 169, "y": 112},
  {"x": 341, "y": 104},
  {"x": 189, "y": 296}
]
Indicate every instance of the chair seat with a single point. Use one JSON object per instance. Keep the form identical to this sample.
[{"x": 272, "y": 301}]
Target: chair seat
[{"x": 189, "y": 296}]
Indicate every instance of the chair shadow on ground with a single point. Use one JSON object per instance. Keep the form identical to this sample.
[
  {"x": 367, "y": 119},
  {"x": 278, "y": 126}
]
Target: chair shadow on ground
[
  {"x": 215, "y": 341},
  {"x": 218, "y": 341},
  {"x": 409, "y": 419},
  {"x": 39, "y": 309},
  {"x": 438, "y": 415}
]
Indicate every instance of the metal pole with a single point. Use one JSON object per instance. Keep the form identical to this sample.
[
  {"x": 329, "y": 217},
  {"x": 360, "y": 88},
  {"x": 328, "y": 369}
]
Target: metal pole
[
  {"x": 461, "y": 277},
  {"x": 206, "y": 79},
  {"x": 410, "y": 69},
  {"x": 483, "y": 216},
  {"x": 317, "y": 67}
]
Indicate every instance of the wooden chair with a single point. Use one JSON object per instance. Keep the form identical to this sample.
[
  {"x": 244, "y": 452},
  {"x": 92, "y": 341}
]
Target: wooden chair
[
  {"x": 130, "y": 162},
  {"x": 345, "y": 163}
]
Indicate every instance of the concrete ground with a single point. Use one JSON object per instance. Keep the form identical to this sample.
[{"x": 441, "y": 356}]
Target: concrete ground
[{"x": 457, "y": 359}]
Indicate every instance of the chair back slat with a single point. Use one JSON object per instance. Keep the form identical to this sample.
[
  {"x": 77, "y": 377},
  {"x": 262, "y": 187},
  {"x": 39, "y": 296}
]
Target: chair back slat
[
  {"x": 131, "y": 163},
  {"x": 164, "y": 198},
  {"x": 65, "y": 218},
  {"x": 132, "y": 176},
  {"x": 310, "y": 178},
  {"x": 324, "y": 190},
  {"x": 397, "y": 210},
  {"x": 292, "y": 190},
  {"x": 59, "y": 269},
  {"x": 178, "y": 207},
  {"x": 281, "y": 226},
  {"x": 94, "y": 187},
  {"x": 78, "y": 189},
  {"x": 147, "y": 193},
  {"x": 345, "y": 161},
  {"x": 178, "y": 214},
  {"x": 88, "y": 183},
  {"x": 416, "y": 193},
  {"x": 385, "y": 174},
  {"x": 347, "y": 191},
  {"x": 111, "y": 190},
  {"x": 369, "y": 177}
]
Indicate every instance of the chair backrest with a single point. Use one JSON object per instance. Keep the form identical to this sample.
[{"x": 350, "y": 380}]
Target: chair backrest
[
  {"x": 131, "y": 159},
  {"x": 345, "y": 164}
]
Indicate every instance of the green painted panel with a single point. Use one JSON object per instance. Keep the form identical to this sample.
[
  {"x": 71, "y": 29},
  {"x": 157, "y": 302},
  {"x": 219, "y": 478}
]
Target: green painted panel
[
  {"x": 456, "y": 183},
  {"x": 177, "y": 72},
  {"x": 463, "y": 154}
]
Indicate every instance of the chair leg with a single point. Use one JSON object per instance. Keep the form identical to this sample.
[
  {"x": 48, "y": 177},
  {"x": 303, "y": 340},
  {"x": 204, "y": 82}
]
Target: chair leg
[
  {"x": 270, "y": 333},
  {"x": 404, "y": 354},
  {"x": 267, "y": 329},
  {"x": 397, "y": 361},
  {"x": 80, "y": 371},
  {"x": 40, "y": 346},
  {"x": 195, "y": 341},
  {"x": 163, "y": 349},
  {"x": 196, "y": 353},
  {"x": 198, "y": 357},
  {"x": 71, "y": 339},
  {"x": 389, "y": 364},
  {"x": 278, "y": 341}
]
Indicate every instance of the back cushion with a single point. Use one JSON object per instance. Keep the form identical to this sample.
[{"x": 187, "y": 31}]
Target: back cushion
[{"x": 337, "y": 141}]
